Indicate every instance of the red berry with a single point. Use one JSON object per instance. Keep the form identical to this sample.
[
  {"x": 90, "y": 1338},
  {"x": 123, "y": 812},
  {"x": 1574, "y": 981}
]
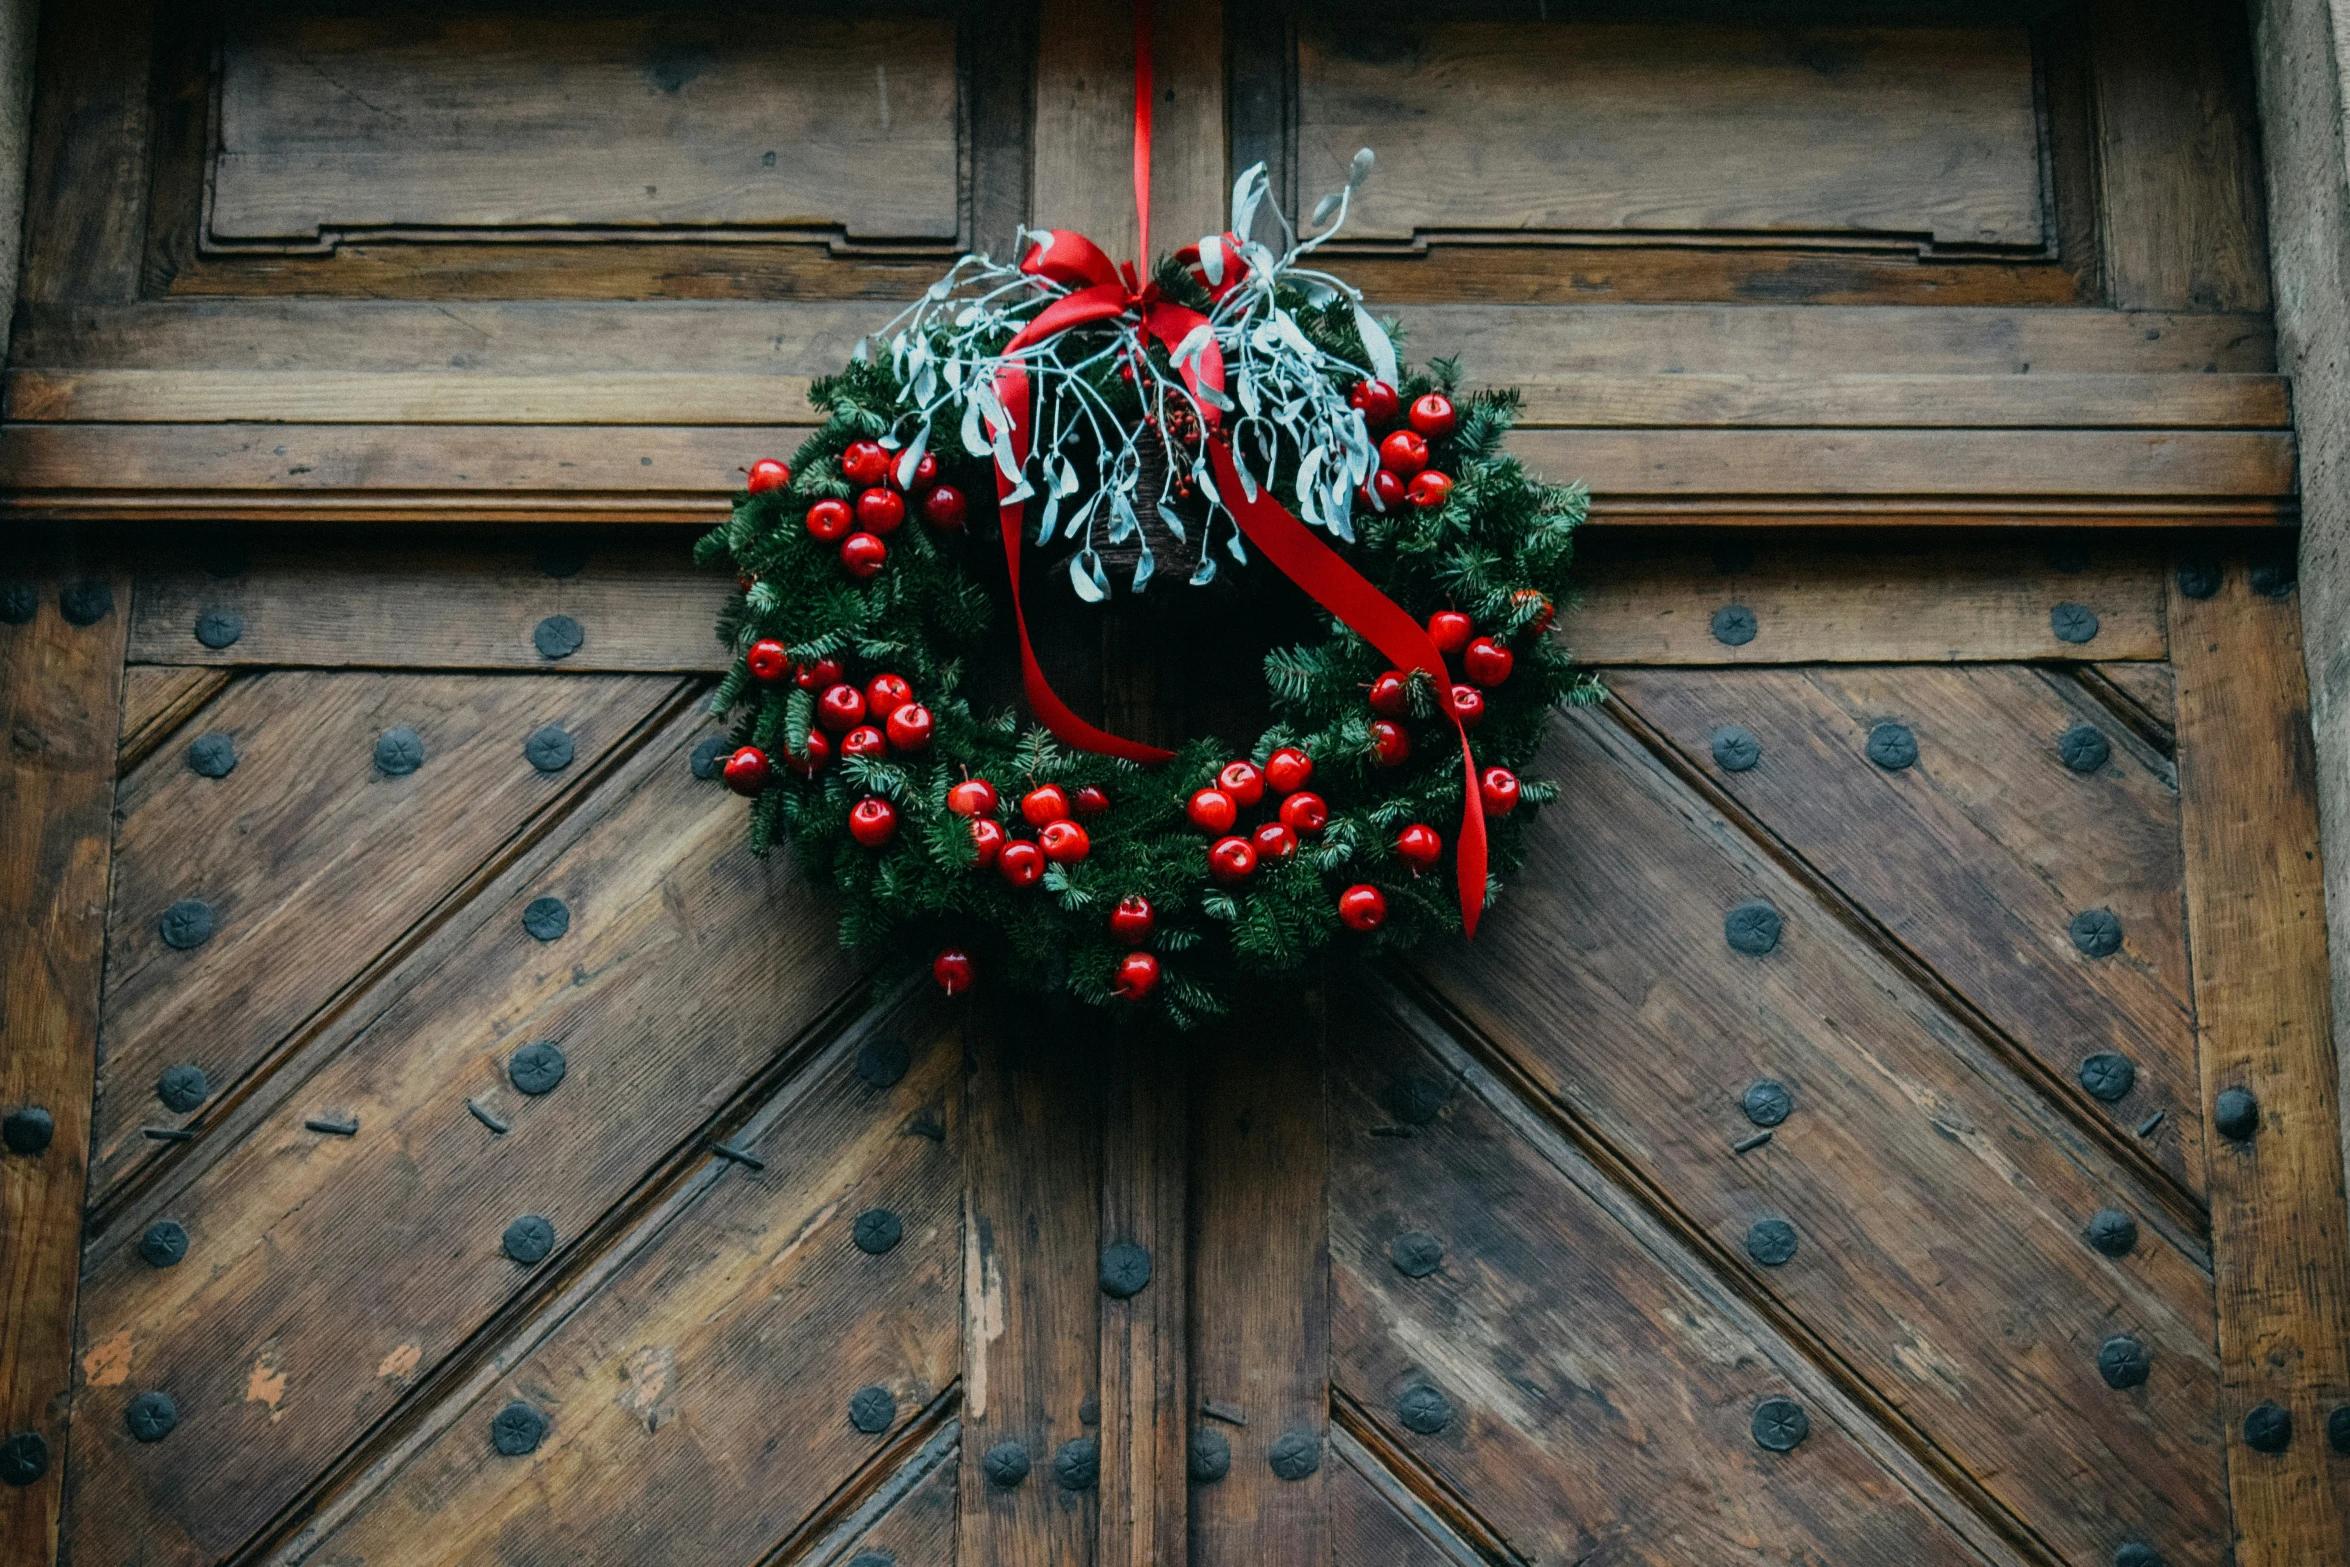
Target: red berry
[
  {"x": 1244, "y": 781},
  {"x": 1468, "y": 705},
  {"x": 1044, "y": 803},
  {"x": 1383, "y": 491},
  {"x": 873, "y": 822},
  {"x": 1132, "y": 921},
  {"x": 953, "y": 969},
  {"x": 1304, "y": 812},
  {"x": 1542, "y": 615},
  {"x": 1212, "y": 810},
  {"x": 865, "y": 462},
  {"x": 987, "y": 840},
  {"x": 1498, "y": 788},
  {"x": 766, "y": 660},
  {"x": 1288, "y": 770},
  {"x": 1390, "y": 697},
  {"x": 1419, "y": 844},
  {"x": 943, "y": 507},
  {"x": 1450, "y": 630},
  {"x": 925, "y": 471},
  {"x": 1136, "y": 977},
  {"x": 831, "y": 520},
  {"x": 1404, "y": 453},
  {"x": 887, "y": 693},
  {"x": 1231, "y": 860},
  {"x": 815, "y": 677},
  {"x": 1091, "y": 801},
  {"x": 863, "y": 554},
  {"x": 1272, "y": 841},
  {"x": 747, "y": 770},
  {"x": 864, "y": 740},
  {"x": 1429, "y": 489},
  {"x": 744, "y": 581},
  {"x": 768, "y": 474},
  {"x": 1433, "y": 416},
  {"x": 840, "y": 709},
  {"x": 880, "y": 511},
  {"x": 972, "y": 797},
  {"x": 910, "y": 726},
  {"x": 1378, "y": 402},
  {"x": 812, "y": 757},
  {"x": 1362, "y": 907},
  {"x": 1389, "y": 742},
  {"x": 1064, "y": 843},
  {"x": 1020, "y": 863},
  {"x": 1487, "y": 662}
]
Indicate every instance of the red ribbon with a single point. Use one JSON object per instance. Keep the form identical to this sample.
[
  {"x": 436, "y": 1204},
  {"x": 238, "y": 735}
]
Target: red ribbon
[{"x": 1101, "y": 291}]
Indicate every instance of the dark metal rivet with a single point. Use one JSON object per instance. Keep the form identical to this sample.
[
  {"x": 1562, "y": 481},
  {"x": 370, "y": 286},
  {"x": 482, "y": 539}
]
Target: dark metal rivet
[
  {"x": 2338, "y": 1429},
  {"x": 164, "y": 1244},
  {"x": 19, "y": 603},
  {"x": 1780, "y": 1425},
  {"x": 28, "y": 1130},
  {"x": 2097, "y": 932},
  {"x": 1752, "y": 927},
  {"x": 1424, "y": 1409},
  {"x": 2268, "y": 1428},
  {"x": 742, "y": 1156},
  {"x": 2136, "y": 1555},
  {"x": 1211, "y": 1457},
  {"x": 212, "y": 756},
  {"x": 151, "y": 1416},
  {"x": 1078, "y": 1464},
  {"x": 561, "y": 557},
  {"x": 528, "y": 1239},
  {"x": 883, "y": 1062},
  {"x": 1893, "y": 747},
  {"x": 546, "y": 918},
  {"x": 24, "y": 1458},
  {"x": 483, "y": 1114},
  {"x": 1750, "y": 1144},
  {"x": 2123, "y": 1361},
  {"x": 182, "y": 1087},
  {"x": 1770, "y": 1241},
  {"x": 1733, "y": 625},
  {"x": 877, "y": 1230},
  {"x": 2199, "y": 579},
  {"x": 2273, "y": 578},
  {"x": 1735, "y": 749},
  {"x": 1295, "y": 1454},
  {"x": 537, "y": 1067},
  {"x": 517, "y": 1429},
  {"x": 1416, "y": 1254},
  {"x": 2147, "y": 1126},
  {"x": 709, "y": 758},
  {"x": 1416, "y": 1098},
  {"x": 186, "y": 925},
  {"x": 1125, "y": 1270},
  {"x": 2073, "y": 622},
  {"x": 2236, "y": 1113},
  {"x": 399, "y": 752},
  {"x": 347, "y": 1127},
  {"x": 2084, "y": 748},
  {"x": 1089, "y": 1410},
  {"x": 85, "y": 603},
  {"x": 873, "y": 1410},
  {"x": 2112, "y": 1232},
  {"x": 557, "y": 636},
  {"x": 549, "y": 749},
  {"x": 2108, "y": 1076},
  {"x": 1767, "y": 1101},
  {"x": 219, "y": 628},
  {"x": 1005, "y": 1464}
]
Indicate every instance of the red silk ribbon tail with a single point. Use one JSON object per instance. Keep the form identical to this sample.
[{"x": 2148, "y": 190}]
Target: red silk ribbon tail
[{"x": 1378, "y": 620}]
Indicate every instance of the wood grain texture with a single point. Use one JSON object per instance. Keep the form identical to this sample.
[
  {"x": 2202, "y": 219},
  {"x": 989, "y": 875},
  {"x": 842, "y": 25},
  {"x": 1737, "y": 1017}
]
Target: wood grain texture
[
  {"x": 1084, "y": 125},
  {"x": 2256, "y": 918},
  {"x": 1586, "y": 270},
  {"x": 1368, "y": 1525},
  {"x": 156, "y": 701},
  {"x": 86, "y": 172},
  {"x": 1978, "y": 857},
  {"x": 335, "y": 1263},
  {"x": 2150, "y": 688},
  {"x": 60, "y": 695},
  {"x": 1938, "y": 1203},
  {"x": 1145, "y": 1378}
]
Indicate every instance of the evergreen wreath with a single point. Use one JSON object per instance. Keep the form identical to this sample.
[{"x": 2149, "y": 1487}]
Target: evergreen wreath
[{"x": 982, "y": 843}]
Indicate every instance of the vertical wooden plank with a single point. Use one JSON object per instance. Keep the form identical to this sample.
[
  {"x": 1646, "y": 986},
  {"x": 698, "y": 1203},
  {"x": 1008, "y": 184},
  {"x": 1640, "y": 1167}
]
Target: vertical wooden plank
[
  {"x": 2256, "y": 931},
  {"x": 60, "y": 705},
  {"x": 1143, "y": 1386},
  {"x": 1260, "y": 1283},
  {"x": 1085, "y": 123},
  {"x": 86, "y": 183}
]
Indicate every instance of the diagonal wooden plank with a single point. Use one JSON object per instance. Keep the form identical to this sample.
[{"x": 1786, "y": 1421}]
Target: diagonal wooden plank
[
  {"x": 686, "y": 966},
  {"x": 156, "y": 701},
  {"x": 1939, "y": 1207},
  {"x": 1373, "y": 1518}
]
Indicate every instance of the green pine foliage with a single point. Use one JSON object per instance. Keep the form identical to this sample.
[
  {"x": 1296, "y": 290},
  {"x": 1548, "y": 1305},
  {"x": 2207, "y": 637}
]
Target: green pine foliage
[{"x": 1499, "y": 549}]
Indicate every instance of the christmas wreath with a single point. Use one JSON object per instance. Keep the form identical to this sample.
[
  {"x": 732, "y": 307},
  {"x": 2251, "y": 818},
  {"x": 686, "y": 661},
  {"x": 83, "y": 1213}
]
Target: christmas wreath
[{"x": 1175, "y": 422}]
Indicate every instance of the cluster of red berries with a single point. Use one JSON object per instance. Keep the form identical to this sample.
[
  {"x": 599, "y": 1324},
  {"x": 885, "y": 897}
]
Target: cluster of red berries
[
  {"x": 842, "y": 709},
  {"x": 1404, "y": 473},
  {"x": 1241, "y": 786},
  {"x": 879, "y": 508},
  {"x": 1048, "y": 808}
]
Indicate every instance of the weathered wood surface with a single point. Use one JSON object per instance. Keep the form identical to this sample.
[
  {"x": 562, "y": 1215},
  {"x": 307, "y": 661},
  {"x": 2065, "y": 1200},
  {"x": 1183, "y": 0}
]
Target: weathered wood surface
[
  {"x": 1977, "y": 857},
  {"x": 156, "y": 701},
  {"x": 60, "y": 697},
  {"x": 1368, "y": 1524},
  {"x": 2256, "y": 919},
  {"x": 2151, "y": 692},
  {"x": 351, "y": 1267},
  {"x": 1145, "y": 1376},
  {"x": 1938, "y": 1203}
]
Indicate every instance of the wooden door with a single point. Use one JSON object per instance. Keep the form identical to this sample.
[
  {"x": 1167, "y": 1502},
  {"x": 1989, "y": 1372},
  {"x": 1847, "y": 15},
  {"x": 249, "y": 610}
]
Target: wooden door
[{"x": 1891, "y": 1118}]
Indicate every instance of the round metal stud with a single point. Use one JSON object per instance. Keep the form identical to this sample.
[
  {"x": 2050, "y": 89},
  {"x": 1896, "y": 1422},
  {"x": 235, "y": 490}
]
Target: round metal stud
[
  {"x": 1416, "y": 1254},
  {"x": 399, "y": 752},
  {"x": 1780, "y": 1425},
  {"x": 2084, "y": 748},
  {"x": 557, "y": 636},
  {"x": 151, "y": 1416},
  {"x": 186, "y": 925},
  {"x": 1125, "y": 1270},
  {"x": 183, "y": 1087},
  {"x": 212, "y": 756},
  {"x": 2236, "y": 1114},
  {"x": 1734, "y": 625},
  {"x": 1077, "y": 1466},
  {"x": 549, "y": 749},
  {"x": 1211, "y": 1457},
  {"x": 1416, "y": 1098},
  {"x": 164, "y": 1244},
  {"x": 1424, "y": 1409},
  {"x": 2199, "y": 579},
  {"x": 877, "y": 1230},
  {"x": 2136, "y": 1554},
  {"x": 2274, "y": 577},
  {"x": 1767, "y": 1101},
  {"x": 2338, "y": 1428},
  {"x": 873, "y": 1409},
  {"x": 1893, "y": 747},
  {"x": 2112, "y": 1232},
  {"x": 28, "y": 1130},
  {"x": 1752, "y": 927},
  {"x": 2097, "y": 932},
  {"x": 517, "y": 1429},
  {"x": 1295, "y": 1454},
  {"x": 2073, "y": 622},
  {"x": 873, "y": 1559},
  {"x": 2108, "y": 1076},
  {"x": 1005, "y": 1464},
  {"x": 561, "y": 556},
  {"x": 24, "y": 1458},
  {"x": 528, "y": 1239},
  {"x": 883, "y": 1062},
  {"x": 2123, "y": 1361},
  {"x": 1735, "y": 749},
  {"x": 546, "y": 918},
  {"x": 219, "y": 628},
  {"x": 85, "y": 603},
  {"x": 709, "y": 758},
  {"x": 537, "y": 1067},
  {"x": 1771, "y": 1242},
  {"x": 19, "y": 603},
  {"x": 2268, "y": 1428}
]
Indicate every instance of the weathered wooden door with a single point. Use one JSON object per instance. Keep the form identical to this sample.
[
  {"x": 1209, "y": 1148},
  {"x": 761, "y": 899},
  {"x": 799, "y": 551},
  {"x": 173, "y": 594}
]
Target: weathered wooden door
[{"x": 1892, "y": 1117}]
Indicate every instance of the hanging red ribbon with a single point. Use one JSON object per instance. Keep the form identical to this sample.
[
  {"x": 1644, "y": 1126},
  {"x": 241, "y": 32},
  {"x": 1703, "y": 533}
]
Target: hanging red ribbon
[{"x": 1101, "y": 291}]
